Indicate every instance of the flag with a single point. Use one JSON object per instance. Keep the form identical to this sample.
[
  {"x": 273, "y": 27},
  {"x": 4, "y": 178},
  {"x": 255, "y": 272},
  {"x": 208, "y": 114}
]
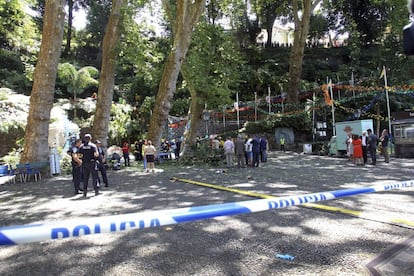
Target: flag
[
  {"x": 325, "y": 91},
  {"x": 382, "y": 72}
]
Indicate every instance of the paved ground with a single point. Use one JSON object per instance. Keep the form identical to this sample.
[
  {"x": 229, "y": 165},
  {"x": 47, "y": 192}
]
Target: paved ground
[{"x": 323, "y": 243}]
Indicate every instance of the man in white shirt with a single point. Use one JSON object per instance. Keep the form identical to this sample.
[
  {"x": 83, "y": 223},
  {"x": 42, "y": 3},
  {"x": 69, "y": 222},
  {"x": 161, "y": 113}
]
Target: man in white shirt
[
  {"x": 229, "y": 151},
  {"x": 215, "y": 143},
  {"x": 249, "y": 152},
  {"x": 364, "y": 138}
]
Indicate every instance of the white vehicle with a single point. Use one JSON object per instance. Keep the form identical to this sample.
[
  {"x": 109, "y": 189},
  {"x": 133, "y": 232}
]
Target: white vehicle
[{"x": 337, "y": 144}]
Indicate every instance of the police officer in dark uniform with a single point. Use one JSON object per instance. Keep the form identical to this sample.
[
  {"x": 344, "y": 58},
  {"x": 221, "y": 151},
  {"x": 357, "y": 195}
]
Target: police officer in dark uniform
[
  {"x": 90, "y": 154},
  {"x": 76, "y": 165}
]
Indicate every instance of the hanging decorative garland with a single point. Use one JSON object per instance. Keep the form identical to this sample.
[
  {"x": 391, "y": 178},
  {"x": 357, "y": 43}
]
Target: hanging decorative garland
[{"x": 293, "y": 110}]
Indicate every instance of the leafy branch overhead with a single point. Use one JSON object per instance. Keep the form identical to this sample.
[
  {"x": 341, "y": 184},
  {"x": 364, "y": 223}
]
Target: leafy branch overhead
[
  {"x": 77, "y": 80},
  {"x": 165, "y": 58}
]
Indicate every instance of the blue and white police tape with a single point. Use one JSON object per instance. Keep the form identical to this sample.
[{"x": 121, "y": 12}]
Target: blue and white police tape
[{"x": 14, "y": 235}]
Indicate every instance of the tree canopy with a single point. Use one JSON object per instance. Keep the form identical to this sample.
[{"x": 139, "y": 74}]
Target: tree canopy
[{"x": 336, "y": 40}]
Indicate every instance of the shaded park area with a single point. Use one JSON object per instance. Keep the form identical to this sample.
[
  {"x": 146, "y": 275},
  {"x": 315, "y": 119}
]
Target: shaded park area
[{"x": 322, "y": 242}]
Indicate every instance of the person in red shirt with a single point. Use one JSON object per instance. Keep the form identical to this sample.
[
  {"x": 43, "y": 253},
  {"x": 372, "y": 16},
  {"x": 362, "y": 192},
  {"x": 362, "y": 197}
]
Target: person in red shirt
[
  {"x": 125, "y": 151},
  {"x": 358, "y": 155}
]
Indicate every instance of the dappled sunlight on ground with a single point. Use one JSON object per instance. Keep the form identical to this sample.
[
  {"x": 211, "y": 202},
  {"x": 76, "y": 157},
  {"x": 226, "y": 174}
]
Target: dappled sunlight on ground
[
  {"x": 232, "y": 223},
  {"x": 324, "y": 243}
]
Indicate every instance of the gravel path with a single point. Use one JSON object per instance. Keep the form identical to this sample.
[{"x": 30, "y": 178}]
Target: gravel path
[{"x": 323, "y": 243}]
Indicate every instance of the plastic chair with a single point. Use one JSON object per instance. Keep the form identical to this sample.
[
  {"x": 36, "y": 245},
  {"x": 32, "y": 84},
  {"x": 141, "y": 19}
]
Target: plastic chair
[
  {"x": 30, "y": 170},
  {"x": 20, "y": 171},
  {"x": 4, "y": 172},
  {"x": 12, "y": 175}
]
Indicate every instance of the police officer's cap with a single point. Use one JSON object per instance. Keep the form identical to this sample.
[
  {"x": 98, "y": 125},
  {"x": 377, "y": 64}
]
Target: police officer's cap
[{"x": 88, "y": 137}]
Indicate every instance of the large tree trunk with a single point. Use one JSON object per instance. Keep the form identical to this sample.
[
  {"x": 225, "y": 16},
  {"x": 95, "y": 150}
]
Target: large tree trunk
[
  {"x": 107, "y": 77},
  {"x": 298, "y": 48},
  {"x": 41, "y": 100},
  {"x": 194, "y": 117},
  {"x": 269, "y": 29},
  {"x": 253, "y": 29},
  {"x": 270, "y": 21},
  {"x": 195, "y": 112},
  {"x": 188, "y": 13},
  {"x": 66, "y": 52},
  {"x": 196, "y": 109}
]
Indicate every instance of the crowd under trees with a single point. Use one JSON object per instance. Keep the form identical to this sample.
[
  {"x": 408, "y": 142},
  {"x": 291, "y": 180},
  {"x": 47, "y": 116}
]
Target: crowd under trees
[{"x": 205, "y": 53}]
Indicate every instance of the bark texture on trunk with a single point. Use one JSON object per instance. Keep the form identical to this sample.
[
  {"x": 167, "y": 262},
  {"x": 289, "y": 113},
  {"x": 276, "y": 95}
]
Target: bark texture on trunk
[
  {"x": 107, "y": 76},
  {"x": 269, "y": 30},
  {"x": 195, "y": 112},
  {"x": 41, "y": 100},
  {"x": 66, "y": 52},
  {"x": 188, "y": 13},
  {"x": 298, "y": 48},
  {"x": 194, "y": 116}
]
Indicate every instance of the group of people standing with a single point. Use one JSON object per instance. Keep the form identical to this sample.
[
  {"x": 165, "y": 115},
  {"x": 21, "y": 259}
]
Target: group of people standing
[
  {"x": 144, "y": 151},
  {"x": 359, "y": 146},
  {"x": 248, "y": 150},
  {"x": 149, "y": 152},
  {"x": 143, "y": 148},
  {"x": 87, "y": 160}
]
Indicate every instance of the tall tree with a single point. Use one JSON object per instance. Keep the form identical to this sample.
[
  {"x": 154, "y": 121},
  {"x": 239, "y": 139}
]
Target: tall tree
[
  {"x": 107, "y": 77},
  {"x": 188, "y": 13},
  {"x": 41, "y": 101},
  {"x": 249, "y": 26},
  {"x": 366, "y": 20},
  {"x": 302, "y": 11},
  {"x": 98, "y": 18},
  {"x": 211, "y": 73},
  {"x": 73, "y": 5},
  {"x": 267, "y": 12},
  {"x": 213, "y": 11}
]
